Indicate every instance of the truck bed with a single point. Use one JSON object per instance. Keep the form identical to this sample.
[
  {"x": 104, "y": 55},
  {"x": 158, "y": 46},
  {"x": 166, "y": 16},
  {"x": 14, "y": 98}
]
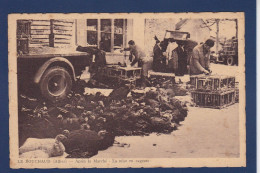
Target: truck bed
[{"x": 48, "y": 52}]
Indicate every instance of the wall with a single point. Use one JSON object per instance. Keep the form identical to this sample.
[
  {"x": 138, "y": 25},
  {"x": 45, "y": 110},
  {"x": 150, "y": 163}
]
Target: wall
[
  {"x": 196, "y": 28},
  {"x": 129, "y": 31},
  {"x": 138, "y": 32},
  {"x": 81, "y": 37},
  {"x": 156, "y": 27}
]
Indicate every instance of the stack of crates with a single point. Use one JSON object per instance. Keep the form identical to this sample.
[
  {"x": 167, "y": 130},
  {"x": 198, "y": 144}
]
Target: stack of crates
[{"x": 213, "y": 91}]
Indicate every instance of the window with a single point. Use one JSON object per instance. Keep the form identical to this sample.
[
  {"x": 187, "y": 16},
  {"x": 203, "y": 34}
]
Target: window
[
  {"x": 23, "y": 28},
  {"x": 108, "y": 34},
  {"x": 118, "y": 33},
  {"x": 92, "y": 34}
]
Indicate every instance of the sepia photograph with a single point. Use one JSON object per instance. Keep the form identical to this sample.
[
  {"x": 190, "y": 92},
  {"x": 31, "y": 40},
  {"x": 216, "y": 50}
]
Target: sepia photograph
[{"x": 127, "y": 90}]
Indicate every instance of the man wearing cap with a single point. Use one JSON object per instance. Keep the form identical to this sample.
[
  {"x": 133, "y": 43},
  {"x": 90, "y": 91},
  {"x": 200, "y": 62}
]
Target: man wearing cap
[{"x": 199, "y": 62}]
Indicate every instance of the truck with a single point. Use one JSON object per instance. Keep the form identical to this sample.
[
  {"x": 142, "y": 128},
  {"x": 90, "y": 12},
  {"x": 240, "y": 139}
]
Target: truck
[
  {"x": 229, "y": 52},
  {"x": 45, "y": 68},
  {"x": 52, "y": 73}
]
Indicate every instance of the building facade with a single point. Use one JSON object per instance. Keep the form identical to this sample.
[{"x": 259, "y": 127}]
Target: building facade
[{"x": 110, "y": 35}]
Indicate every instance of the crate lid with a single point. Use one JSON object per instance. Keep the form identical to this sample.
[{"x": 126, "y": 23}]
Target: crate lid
[
  {"x": 214, "y": 76},
  {"x": 150, "y": 72}
]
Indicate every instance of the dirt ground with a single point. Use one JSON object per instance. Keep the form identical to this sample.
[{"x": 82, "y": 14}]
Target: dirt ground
[{"x": 204, "y": 133}]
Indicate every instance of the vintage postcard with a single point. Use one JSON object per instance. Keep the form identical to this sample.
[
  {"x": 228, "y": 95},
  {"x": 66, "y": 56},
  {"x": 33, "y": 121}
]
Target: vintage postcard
[{"x": 120, "y": 90}]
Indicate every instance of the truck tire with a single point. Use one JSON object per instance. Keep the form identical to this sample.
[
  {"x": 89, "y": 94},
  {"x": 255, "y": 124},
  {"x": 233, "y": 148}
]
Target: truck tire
[
  {"x": 55, "y": 84},
  {"x": 230, "y": 60}
]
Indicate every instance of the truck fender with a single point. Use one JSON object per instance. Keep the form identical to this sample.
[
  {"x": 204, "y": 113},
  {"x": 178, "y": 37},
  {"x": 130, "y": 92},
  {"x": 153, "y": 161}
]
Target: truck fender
[{"x": 43, "y": 68}]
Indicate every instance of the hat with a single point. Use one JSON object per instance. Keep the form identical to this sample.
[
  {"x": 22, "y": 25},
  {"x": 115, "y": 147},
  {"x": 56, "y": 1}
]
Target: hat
[
  {"x": 131, "y": 42},
  {"x": 210, "y": 42}
]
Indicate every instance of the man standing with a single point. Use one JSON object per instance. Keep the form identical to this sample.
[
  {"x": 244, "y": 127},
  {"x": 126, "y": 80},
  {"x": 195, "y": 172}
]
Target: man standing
[
  {"x": 179, "y": 56},
  {"x": 159, "y": 60},
  {"x": 200, "y": 62},
  {"x": 171, "y": 46},
  {"x": 137, "y": 52},
  {"x": 139, "y": 57}
]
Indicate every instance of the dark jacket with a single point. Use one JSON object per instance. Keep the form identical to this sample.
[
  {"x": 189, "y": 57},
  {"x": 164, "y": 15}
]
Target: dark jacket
[
  {"x": 100, "y": 57},
  {"x": 179, "y": 61},
  {"x": 159, "y": 60},
  {"x": 182, "y": 61}
]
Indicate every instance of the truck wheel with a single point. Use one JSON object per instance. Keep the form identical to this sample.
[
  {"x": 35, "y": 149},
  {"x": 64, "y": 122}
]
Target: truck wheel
[
  {"x": 230, "y": 60},
  {"x": 55, "y": 83}
]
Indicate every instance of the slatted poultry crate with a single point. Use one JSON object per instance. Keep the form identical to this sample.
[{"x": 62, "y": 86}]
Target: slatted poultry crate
[
  {"x": 213, "y": 91},
  {"x": 130, "y": 72},
  {"x": 122, "y": 72},
  {"x": 212, "y": 82},
  {"x": 237, "y": 92},
  {"x": 219, "y": 99},
  {"x": 121, "y": 75},
  {"x": 158, "y": 78}
]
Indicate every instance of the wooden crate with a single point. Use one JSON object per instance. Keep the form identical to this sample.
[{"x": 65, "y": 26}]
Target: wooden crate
[
  {"x": 122, "y": 72},
  {"x": 216, "y": 100},
  {"x": 237, "y": 92},
  {"x": 130, "y": 72},
  {"x": 158, "y": 78},
  {"x": 120, "y": 75},
  {"x": 212, "y": 82}
]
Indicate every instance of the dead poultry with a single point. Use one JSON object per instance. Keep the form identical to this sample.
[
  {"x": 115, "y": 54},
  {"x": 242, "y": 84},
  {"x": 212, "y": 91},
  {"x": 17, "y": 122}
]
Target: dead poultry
[
  {"x": 84, "y": 141},
  {"x": 118, "y": 93}
]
